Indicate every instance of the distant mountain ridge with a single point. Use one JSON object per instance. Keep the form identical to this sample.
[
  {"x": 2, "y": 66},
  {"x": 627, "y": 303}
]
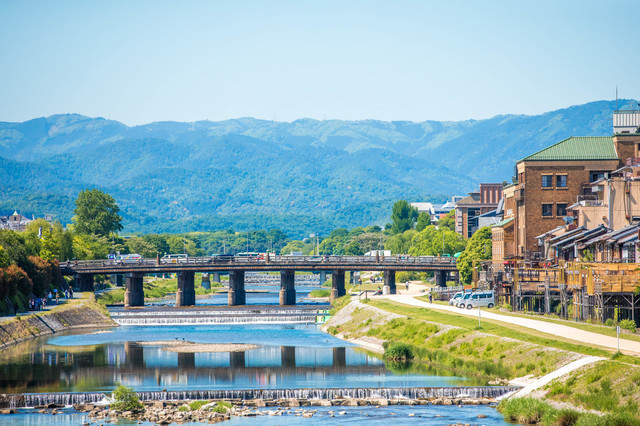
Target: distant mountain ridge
[{"x": 304, "y": 176}]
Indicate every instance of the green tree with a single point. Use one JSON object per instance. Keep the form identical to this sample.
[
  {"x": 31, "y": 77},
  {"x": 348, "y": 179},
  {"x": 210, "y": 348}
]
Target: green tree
[
  {"x": 403, "y": 216},
  {"x": 96, "y": 213},
  {"x": 424, "y": 220},
  {"x": 141, "y": 246},
  {"x": 400, "y": 243},
  {"x": 478, "y": 248},
  {"x": 448, "y": 221},
  {"x": 431, "y": 241}
]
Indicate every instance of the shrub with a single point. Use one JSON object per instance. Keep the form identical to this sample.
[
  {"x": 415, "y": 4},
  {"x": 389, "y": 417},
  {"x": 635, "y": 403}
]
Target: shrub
[
  {"x": 222, "y": 407},
  {"x": 525, "y": 410},
  {"x": 609, "y": 322},
  {"x": 398, "y": 351},
  {"x": 197, "y": 404},
  {"x": 628, "y": 324},
  {"x": 126, "y": 399}
]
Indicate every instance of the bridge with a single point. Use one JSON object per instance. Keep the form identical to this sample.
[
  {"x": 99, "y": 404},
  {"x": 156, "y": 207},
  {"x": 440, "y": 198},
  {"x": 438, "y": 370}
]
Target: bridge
[{"x": 134, "y": 271}]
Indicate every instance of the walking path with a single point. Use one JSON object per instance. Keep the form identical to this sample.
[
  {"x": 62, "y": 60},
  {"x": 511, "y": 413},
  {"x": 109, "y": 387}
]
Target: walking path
[
  {"x": 628, "y": 347},
  {"x": 542, "y": 381}
]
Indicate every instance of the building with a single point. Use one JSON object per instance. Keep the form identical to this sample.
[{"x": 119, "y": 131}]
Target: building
[
  {"x": 437, "y": 211},
  {"x": 549, "y": 181},
  {"x": 17, "y": 222},
  {"x": 480, "y": 202}
]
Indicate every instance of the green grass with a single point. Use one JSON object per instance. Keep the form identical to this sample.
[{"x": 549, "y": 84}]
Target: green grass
[
  {"x": 194, "y": 405},
  {"x": 594, "y": 328},
  {"x": 499, "y": 329},
  {"x": 319, "y": 293},
  {"x": 534, "y": 411}
]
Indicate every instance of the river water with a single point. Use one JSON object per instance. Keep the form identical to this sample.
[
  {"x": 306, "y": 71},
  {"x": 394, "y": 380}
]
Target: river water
[{"x": 287, "y": 356}]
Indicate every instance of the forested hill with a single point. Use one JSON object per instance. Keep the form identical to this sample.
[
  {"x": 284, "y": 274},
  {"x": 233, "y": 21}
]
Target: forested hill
[{"x": 305, "y": 176}]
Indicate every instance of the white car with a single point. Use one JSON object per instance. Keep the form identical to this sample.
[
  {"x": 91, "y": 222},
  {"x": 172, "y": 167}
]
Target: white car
[
  {"x": 456, "y": 298},
  {"x": 480, "y": 299}
]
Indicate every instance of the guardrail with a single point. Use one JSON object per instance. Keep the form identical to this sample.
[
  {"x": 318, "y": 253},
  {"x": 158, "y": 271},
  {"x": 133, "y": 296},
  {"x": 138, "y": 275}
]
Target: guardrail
[{"x": 260, "y": 260}]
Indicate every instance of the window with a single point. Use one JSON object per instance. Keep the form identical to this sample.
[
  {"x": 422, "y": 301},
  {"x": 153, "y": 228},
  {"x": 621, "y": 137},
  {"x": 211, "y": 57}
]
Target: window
[
  {"x": 594, "y": 176},
  {"x": 547, "y": 210},
  {"x": 547, "y": 181},
  {"x": 561, "y": 209},
  {"x": 561, "y": 181}
]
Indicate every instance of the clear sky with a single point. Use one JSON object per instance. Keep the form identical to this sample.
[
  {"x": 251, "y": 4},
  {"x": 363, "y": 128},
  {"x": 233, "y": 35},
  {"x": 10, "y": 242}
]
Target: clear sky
[{"x": 144, "y": 61}]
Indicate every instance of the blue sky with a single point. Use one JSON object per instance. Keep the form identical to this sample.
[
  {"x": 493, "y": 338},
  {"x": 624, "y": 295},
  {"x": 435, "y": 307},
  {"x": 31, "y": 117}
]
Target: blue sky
[{"x": 145, "y": 61}]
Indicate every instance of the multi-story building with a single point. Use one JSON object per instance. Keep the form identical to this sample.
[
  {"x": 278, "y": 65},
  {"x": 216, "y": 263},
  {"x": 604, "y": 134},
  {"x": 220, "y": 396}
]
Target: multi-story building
[
  {"x": 477, "y": 203},
  {"x": 552, "y": 179}
]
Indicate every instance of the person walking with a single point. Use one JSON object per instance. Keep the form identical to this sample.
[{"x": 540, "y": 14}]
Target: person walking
[{"x": 430, "y": 297}]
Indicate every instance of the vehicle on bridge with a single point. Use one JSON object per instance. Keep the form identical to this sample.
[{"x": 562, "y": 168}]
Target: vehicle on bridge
[
  {"x": 174, "y": 258},
  {"x": 125, "y": 258}
]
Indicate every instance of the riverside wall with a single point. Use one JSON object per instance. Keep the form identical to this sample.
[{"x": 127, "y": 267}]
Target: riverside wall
[{"x": 84, "y": 314}]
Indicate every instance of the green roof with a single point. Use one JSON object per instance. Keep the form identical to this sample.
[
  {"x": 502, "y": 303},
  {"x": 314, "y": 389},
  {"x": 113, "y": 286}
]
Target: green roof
[
  {"x": 502, "y": 223},
  {"x": 577, "y": 148}
]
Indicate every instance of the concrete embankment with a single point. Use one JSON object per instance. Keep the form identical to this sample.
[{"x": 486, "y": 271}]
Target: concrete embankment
[{"x": 80, "y": 313}]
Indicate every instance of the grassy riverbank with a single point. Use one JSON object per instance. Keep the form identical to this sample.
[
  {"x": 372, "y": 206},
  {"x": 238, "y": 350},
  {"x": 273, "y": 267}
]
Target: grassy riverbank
[{"x": 440, "y": 340}]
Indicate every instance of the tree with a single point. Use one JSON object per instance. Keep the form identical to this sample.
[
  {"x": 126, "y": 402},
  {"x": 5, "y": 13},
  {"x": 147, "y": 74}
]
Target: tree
[
  {"x": 96, "y": 213},
  {"x": 400, "y": 243},
  {"x": 478, "y": 248},
  {"x": 424, "y": 220},
  {"x": 403, "y": 216},
  {"x": 431, "y": 241},
  {"x": 448, "y": 221}
]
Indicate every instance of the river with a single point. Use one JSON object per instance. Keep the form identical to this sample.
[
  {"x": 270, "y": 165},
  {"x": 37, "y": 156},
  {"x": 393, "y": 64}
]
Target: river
[{"x": 285, "y": 356}]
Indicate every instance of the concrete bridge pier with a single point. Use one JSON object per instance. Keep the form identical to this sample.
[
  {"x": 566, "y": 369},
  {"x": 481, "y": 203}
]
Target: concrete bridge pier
[
  {"x": 441, "y": 278},
  {"x": 287, "y": 288},
  {"x": 186, "y": 295},
  {"x": 323, "y": 277},
  {"x": 237, "y": 295},
  {"x": 134, "y": 292},
  {"x": 389, "y": 286},
  {"x": 216, "y": 277},
  {"x": 206, "y": 281},
  {"x": 337, "y": 285},
  {"x": 84, "y": 282}
]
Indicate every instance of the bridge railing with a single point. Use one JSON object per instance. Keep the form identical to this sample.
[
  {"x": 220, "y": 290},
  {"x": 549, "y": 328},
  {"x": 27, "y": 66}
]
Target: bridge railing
[{"x": 273, "y": 259}]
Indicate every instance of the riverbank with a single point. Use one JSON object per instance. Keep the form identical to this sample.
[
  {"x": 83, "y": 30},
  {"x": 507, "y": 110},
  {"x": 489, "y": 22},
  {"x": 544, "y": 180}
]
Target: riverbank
[
  {"x": 565, "y": 375},
  {"x": 80, "y": 312}
]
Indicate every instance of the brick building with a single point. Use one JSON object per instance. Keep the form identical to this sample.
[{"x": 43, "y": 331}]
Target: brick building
[
  {"x": 477, "y": 203},
  {"x": 549, "y": 181}
]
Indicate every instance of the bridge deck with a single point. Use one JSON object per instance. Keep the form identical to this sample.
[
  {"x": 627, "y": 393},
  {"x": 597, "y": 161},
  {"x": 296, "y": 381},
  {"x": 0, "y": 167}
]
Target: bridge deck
[{"x": 274, "y": 263}]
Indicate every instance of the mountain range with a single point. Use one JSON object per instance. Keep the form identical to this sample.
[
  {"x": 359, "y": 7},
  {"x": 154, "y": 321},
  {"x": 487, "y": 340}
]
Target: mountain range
[{"x": 302, "y": 177}]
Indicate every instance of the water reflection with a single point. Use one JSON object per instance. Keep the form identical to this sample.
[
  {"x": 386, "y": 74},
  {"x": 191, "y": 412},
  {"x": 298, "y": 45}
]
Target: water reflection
[{"x": 109, "y": 359}]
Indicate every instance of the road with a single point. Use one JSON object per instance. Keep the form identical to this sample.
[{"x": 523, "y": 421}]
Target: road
[{"x": 628, "y": 347}]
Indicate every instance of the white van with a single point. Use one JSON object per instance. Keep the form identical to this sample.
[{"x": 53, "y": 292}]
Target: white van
[
  {"x": 456, "y": 298},
  {"x": 480, "y": 299}
]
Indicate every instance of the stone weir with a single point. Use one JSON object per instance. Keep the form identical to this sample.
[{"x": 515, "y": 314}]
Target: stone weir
[
  {"x": 66, "y": 399},
  {"x": 236, "y": 315}
]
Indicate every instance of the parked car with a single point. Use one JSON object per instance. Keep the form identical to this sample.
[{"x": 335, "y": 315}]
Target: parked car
[
  {"x": 481, "y": 299},
  {"x": 462, "y": 301},
  {"x": 456, "y": 298}
]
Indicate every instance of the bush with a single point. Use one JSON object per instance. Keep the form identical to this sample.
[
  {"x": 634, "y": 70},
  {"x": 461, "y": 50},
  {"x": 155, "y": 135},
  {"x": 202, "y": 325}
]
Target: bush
[
  {"x": 222, "y": 407},
  {"x": 319, "y": 293},
  {"x": 125, "y": 399},
  {"x": 628, "y": 324},
  {"x": 525, "y": 410},
  {"x": 197, "y": 404},
  {"x": 398, "y": 352},
  {"x": 609, "y": 322}
]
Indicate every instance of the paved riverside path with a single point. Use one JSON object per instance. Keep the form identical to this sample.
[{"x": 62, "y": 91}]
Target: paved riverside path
[{"x": 628, "y": 347}]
